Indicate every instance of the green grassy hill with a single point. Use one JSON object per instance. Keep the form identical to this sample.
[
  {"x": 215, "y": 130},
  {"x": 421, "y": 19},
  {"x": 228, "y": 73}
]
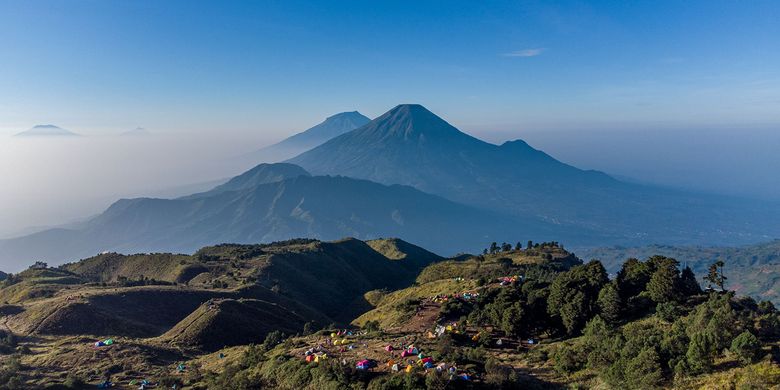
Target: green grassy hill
[
  {"x": 225, "y": 322},
  {"x": 146, "y": 295}
]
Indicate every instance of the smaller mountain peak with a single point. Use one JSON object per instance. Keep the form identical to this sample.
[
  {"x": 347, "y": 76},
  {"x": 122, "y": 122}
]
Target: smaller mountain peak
[
  {"x": 518, "y": 143},
  {"x": 138, "y": 131},
  {"x": 346, "y": 114},
  {"x": 46, "y": 130}
]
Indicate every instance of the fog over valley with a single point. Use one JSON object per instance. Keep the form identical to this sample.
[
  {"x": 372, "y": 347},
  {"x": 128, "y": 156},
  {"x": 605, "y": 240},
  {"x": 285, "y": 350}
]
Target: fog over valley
[{"x": 55, "y": 181}]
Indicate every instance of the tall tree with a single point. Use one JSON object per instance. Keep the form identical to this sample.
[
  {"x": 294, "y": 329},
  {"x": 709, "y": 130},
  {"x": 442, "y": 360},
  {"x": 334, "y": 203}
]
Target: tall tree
[
  {"x": 610, "y": 306},
  {"x": 573, "y": 295},
  {"x": 688, "y": 284},
  {"x": 663, "y": 284},
  {"x": 700, "y": 354},
  {"x": 633, "y": 277},
  {"x": 715, "y": 275}
]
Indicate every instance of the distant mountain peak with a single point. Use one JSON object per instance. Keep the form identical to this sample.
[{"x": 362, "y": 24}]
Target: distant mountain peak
[
  {"x": 347, "y": 114},
  {"x": 138, "y": 131},
  {"x": 412, "y": 123},
  {"x": 333, "y": 126},
  {"x": 46, "y": 130}
]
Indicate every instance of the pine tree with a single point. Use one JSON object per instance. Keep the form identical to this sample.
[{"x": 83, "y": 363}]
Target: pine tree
[
  {"x": 715, "y": 275},
  {"x": 663, "y": 284},
  {"x": 688, "y": 284},
  {"x": 609, "y": 303},
  {"x": 701, "y": 351},
  {"x": 747, "y": 347}
]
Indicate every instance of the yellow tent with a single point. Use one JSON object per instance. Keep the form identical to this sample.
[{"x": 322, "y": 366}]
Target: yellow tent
[{"x": 408, "y": 368}]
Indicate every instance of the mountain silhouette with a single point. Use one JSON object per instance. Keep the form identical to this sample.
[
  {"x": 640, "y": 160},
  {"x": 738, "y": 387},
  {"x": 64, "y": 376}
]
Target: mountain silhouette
[
  {"x": 410, "y": 145},
  {"x": 46, "y": 131},
  {"x": 333, "y": 126}
]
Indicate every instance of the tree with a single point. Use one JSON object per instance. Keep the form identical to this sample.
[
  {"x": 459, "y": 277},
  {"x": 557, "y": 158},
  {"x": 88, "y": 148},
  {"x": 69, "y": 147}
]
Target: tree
[
  {"x": 308, "y": 328},
  {"x": 717, "y": 318},
  {"x": 573, "y": 295},
  {"x": 518, "y": 246},
  {"x": 644, "y": 370},
  {"x": 506, "y": 247},
  {"x": 766, "y": 307},
  {"x": 609, "y": 303},
  {"x": 688, "y": 284},
  {"x": 493, "y": 248},
  {"x": 633, "y": 277},
  {"x": 746, "y": 347},
  {"x": 39, "y": 265},
  {"x": 715, "y": 275},
  {"x": 574, "y": 313},
  {"x": 512, "y": 320},
  {"x": 663, "y": 283},
  {"x": 701, "y": 351},
  {"x": 529, "y": 245},
  {"x": 272, "y": 339}
]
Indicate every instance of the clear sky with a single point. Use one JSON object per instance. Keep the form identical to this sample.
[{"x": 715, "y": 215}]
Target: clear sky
[{"x": 281, "y": 66}]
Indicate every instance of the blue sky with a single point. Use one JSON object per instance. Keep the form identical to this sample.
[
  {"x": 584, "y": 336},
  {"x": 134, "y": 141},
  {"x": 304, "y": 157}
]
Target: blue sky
[{"x": 273, "y": 67}]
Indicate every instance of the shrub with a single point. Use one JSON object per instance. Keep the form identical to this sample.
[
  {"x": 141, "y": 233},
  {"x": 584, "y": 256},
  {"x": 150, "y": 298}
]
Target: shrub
[
  {"x": 570, "y": 358},
  {"x": 746, "y": 347},
  {"x": 667, "y": 311},
  {"x": 700, "y": 353}
]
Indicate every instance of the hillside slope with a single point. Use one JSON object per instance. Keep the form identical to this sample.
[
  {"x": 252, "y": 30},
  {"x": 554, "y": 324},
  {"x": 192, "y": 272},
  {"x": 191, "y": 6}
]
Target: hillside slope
[
  {"x": 148, "y": 295},
  {"x": 318, "y": 207}
]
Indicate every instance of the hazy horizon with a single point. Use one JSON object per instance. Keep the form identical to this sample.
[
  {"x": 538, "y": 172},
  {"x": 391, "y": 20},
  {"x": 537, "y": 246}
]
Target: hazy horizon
[
  {"x": 656, "y": 94},
  {"x": 80, "y": 177}
]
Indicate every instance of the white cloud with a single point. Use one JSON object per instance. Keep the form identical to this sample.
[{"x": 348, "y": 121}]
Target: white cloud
[{"x": 525, "y": 53}]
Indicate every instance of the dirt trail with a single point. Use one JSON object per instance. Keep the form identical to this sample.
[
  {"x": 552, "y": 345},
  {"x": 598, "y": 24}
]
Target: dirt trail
[{"x": 423, "y": 320}]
